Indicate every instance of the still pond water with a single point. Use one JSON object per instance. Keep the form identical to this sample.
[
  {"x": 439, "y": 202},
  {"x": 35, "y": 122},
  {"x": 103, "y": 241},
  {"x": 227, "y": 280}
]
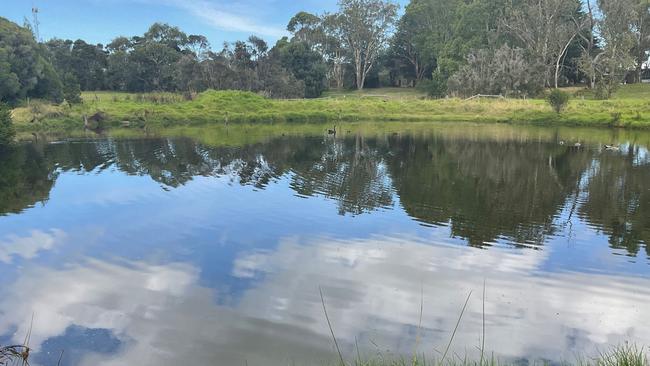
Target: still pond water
[{"x": 158, "y": 250}]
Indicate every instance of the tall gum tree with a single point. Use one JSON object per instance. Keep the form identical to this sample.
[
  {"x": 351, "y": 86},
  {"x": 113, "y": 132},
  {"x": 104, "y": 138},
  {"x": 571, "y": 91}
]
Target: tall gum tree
[
  {"x": 640, "y": 27},
  {"x": 334, "y": 53},
  {"x": 364, "y": 27},
  {"x": 439, "y": 34},
  {"x": 404, "y": 46},
  {"x": 614, "y": 27},
  {"x": 546, "y": 30},
  {"x": 589, "y": 47}
]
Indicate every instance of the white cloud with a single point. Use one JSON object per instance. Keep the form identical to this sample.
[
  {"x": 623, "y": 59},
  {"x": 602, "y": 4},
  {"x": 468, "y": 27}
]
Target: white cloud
[
  {"x": 232, "y": 16},
  {"x": 219, "y": 18},
  {"x": 28, "y": 247}
]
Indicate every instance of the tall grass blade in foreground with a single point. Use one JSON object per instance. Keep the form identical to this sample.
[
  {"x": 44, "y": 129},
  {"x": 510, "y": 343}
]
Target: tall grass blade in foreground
[
  {"x": 417, "y": 337},
  {"x": 329, "y": 324},
  {"x": 625, "y": 355},
  {"x": 453, "y": 334},
  {"x": 483, "y": 329}
]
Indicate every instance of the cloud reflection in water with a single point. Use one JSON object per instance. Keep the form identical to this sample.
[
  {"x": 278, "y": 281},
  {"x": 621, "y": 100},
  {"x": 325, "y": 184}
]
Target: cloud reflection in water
[{"x": 162, "y": 316}]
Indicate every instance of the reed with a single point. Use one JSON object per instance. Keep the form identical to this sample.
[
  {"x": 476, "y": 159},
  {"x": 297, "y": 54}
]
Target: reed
[
  {"x": 14, "y": 355},
  {"x": 623, "y": 355}
]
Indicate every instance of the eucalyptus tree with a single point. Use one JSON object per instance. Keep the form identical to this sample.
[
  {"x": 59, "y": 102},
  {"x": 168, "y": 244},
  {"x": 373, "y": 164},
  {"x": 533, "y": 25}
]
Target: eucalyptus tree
[
  {"x": 86, "y": 62},
  {"x": 405, "y": 47},
  {"x": 589, "y": 44},
  {"x": 334, "y": 52},
  {"x": 216, "y": 71},
  {"x": 145, "y": 63},
  {"x": 435, "y": 36},
  {"x": 310, "y": 54},
  {"x": 197, "y": 46},
  {"x": 250, "y": 65},
  {"x": 306, "y": 27},
  {"x": 88, "y": 65},
  {"x": 188, "y": 75},
  {"x": 154, "y": 65},
  {"x": 166, "y": 35},
  {"x": 306, "y": 64},
  {"x": 119, "y": 69},
  {"x": 640, "y": 27},
  {"x": 616, "y": 58},
  {"x": 363, "y": 28},
  {"x": 546, "y": 29},
  {"x": 258, "y": 47},
  {"x": 60, "y": 54},
  {"x": 276, "y": 82},
  {"x": 434, "y": 25}
]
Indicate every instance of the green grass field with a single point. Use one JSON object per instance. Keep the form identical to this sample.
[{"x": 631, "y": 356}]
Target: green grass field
[{"x": 630, "y": 108}]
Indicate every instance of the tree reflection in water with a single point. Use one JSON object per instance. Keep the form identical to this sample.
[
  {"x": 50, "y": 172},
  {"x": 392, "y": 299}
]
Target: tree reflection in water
[{"x": 484, "y": 189}]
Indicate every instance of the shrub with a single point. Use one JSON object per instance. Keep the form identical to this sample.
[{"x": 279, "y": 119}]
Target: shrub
[
  {"x": 505, "y": 71},
  {"x": 558, "y": 100},
  {"x": 606, "y": 87},
  {"x": 7, "y": 132},
  {"x": 436, "y": 87},
  {"x": 71, "y": 89},
  {"x": 616, "y": 119}
]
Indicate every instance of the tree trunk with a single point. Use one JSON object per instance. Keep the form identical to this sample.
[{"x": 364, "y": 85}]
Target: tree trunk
[
  {"x": 359, "y": 75},
  {"x": 339, "y": 71},
  {"x": 558, "y": 63},
  {"x": 338, "y": 74}
]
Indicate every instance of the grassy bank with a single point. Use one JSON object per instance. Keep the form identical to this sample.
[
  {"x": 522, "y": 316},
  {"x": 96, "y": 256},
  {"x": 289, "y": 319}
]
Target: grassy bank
[
  {"x": 629, "y": 109},
  {"x": 624, "y": 355}
]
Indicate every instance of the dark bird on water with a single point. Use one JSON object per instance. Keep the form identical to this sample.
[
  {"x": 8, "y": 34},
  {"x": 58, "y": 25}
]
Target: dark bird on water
[{"x": 332, "y": 132}]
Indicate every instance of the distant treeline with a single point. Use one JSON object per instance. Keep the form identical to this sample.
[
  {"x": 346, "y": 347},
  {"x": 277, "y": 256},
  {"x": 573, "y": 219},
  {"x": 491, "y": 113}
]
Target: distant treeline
[{"x": 448, "y": 47}]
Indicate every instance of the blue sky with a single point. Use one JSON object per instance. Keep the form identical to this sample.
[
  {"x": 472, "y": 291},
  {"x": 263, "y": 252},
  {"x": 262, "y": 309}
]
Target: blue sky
[{"x": 99, "y": 21}]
